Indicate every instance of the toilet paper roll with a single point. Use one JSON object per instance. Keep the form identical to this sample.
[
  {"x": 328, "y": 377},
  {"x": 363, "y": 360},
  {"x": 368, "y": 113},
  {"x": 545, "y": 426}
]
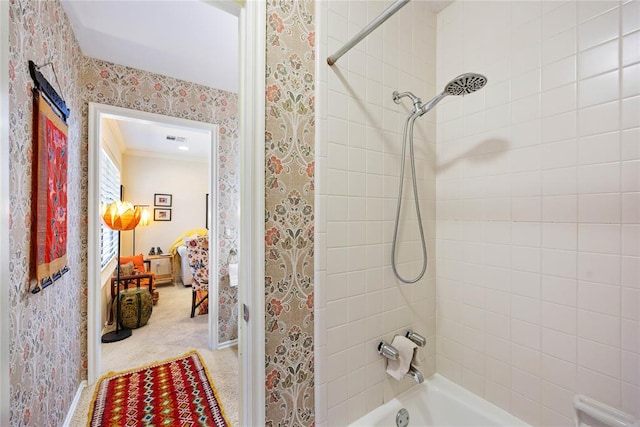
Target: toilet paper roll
[{"x": 407, "y": 349}]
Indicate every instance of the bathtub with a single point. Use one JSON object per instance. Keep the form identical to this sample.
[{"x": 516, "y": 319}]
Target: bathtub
[{"x": 439, "y": 402}]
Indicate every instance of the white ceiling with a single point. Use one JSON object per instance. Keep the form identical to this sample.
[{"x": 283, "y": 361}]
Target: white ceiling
[
  {"x": 186, "y": 39},
  {"x": 149, "y": 139}
]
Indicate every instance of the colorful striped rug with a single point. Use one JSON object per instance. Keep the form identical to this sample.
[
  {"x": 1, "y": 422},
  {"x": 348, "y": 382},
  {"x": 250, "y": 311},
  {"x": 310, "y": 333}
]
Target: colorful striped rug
[{"x": 174, "y": 392}]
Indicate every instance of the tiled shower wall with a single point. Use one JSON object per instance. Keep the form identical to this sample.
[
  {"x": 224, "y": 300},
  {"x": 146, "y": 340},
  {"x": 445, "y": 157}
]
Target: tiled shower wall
[
  {"x": 358, "y": 300},
  {"x": 538, "y": 205}
]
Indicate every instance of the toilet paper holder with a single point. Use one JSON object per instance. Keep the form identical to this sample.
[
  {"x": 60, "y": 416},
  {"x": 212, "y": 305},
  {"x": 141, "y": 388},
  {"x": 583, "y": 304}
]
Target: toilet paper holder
[
  {"x": 417, "y": 339},
  {"x": 390, "y": 352},
  {"x": 387, "y": 350}
]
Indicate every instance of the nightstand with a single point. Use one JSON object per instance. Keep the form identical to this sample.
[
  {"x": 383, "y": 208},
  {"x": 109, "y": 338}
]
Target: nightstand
[{"x": 162, "y": 267}]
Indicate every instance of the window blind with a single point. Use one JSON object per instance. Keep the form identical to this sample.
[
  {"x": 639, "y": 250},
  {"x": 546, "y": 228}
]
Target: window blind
[{"x": 109, "y": 192}]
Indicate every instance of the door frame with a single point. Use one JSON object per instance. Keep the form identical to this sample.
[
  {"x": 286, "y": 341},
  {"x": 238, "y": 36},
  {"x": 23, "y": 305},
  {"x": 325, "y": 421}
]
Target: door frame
[
  {"x": 98, "y": 112},
  {"x": 251, "y": 349},
  {"x": 4, "y": 213}
]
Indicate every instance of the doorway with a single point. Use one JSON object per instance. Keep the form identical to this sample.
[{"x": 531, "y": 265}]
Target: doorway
[{"x": 98, "y": 115}]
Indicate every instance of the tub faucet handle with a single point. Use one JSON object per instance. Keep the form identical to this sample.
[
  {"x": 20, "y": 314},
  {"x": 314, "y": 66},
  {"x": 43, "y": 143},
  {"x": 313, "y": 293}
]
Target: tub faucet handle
[
  {"x": 418, "y": 339},
  {"x": 387, "y": 350}
]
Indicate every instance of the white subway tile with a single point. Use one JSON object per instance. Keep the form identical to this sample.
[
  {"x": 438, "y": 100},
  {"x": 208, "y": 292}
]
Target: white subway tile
[
  {"x": 594, "y": 8},
  {"x": 559, "y": 208},
  {"x": 598, "y": 90},
  {"x": 631, "y": 81},
  {"x": 631, "y": 208},
  {"x": 559, "y": 100},
  {"x": 526, "y": 233},
  {"x": 525, "y": 309},
  {"x": 526, "y": 84},
  {"x": 526, "y": 334},
  {"x": 598, "y": 60},
  {"x": 563, "y": 72},
  {"x": 598, "y": 119},
  {"x": 600, "y": 358},
  {"x": 631, "y": 335},
  {"x": 559, "y": 46},
  {"x": 559, "y": 154},
  {"x": 631, "y": 240},
  {"x": 631, "y": 112},
  {"x": 559, "y": 263},
  {"x": 631, "y": 368},
  {"x": 599, "y": 178},
  {"x": 599, "y": 387},
  {"x": 631, "y": 48},
  {"x": 496, "y": 347},
  {"x": 525, "y": 359},
  {"x": 598, "y": 30},
  {"x": 559, "y": 236},
  {"x": 601, "y": 238},
  {"x": 525, "y": 384},
  {"x": 560, "y": 345},
  {"x": 559, "y": 290},
  {"x": 603, "y": 208},
  {"x": 525, "y": 409},
  {"x": 630, "y": 17},
  {"x": 560, "y": 127},
  {"x": 598, "y": 297},
  {"x": 601, "y": 328},
  {"x": 601, "y": 148},
  {"x": 556, "y": 182},
  {"x": 558, "y": 371},
  {"x": 558, "y": 399},
  {"x": 559, "y": 19},
  {"x": 525, "y": 284},
  {"x": 631, "y": 272},
  {"x": 631, "y": 304},
  {"x": 630, "y": 144},
  {"x": 559, "y": 317},
  {"x": 630, "y": 399}
]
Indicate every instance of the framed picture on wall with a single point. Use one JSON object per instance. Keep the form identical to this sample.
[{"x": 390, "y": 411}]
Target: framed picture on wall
[
  {"x": 162, "y": 200},
  {"x": 160, "y": 214}
]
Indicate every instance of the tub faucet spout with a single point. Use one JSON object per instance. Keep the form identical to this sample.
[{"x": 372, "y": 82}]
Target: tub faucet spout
[{"x": 415, "y": 374}]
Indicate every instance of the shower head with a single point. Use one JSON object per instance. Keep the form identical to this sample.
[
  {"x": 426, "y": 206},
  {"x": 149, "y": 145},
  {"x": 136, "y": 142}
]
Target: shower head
[{"x": 464, "y": 84}]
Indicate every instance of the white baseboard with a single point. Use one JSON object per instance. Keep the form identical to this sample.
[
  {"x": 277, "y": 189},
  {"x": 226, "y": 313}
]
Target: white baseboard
[
  {"x": 226, "y": 344},
  {"x": 74, "y": 404}
]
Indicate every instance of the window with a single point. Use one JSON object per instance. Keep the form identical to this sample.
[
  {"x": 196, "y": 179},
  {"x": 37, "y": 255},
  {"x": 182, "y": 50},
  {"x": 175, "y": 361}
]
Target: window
[{"x": 109, "y": 191}]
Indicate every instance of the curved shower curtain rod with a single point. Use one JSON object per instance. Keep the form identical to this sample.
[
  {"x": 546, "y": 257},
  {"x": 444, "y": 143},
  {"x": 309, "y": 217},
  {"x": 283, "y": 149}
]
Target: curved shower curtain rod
[{"x": 366, "y": 30}]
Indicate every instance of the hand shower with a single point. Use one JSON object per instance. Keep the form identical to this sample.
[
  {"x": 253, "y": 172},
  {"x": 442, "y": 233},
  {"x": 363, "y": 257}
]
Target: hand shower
[{"x": 462, "y": 85}]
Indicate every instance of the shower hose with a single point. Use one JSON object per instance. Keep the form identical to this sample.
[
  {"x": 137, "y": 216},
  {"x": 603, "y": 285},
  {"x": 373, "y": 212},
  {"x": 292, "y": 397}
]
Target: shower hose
[{"x": 408, "y": 136}]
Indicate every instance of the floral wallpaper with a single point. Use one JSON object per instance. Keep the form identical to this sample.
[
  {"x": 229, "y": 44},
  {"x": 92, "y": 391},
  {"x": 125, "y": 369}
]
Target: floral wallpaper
[
  {"x": 289, "y": 213},
  {"x": 48, "y": 356},
  {"x": 126, "y": 87},
  {"x": 47, "y": 349}
]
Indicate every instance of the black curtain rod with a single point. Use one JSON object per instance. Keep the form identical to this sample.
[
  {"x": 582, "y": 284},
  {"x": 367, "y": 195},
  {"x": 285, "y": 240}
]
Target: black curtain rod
[{"x": 42, "y": 84}]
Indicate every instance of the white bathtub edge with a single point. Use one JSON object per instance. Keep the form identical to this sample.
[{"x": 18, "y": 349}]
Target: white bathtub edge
[
  {"x": 441, "y": 385},
  {"x": 461, "y": 394}
]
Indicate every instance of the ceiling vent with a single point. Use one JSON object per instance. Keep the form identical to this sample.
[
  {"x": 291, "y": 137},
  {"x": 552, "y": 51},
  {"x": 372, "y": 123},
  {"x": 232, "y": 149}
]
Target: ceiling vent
[{"x": 176, "y": 138}]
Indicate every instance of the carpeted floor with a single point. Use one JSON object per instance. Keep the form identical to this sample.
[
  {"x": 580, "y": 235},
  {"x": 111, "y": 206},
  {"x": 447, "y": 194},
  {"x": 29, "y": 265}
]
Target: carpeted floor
[{"x": 170, "y": 332}]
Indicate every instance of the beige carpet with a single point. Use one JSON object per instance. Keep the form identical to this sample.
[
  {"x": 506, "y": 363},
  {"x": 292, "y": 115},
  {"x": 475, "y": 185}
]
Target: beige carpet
[{"x": 170, "y": 332}]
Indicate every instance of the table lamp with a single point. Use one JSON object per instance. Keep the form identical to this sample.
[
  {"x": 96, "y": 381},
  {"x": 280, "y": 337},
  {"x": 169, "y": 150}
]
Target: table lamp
[
  {"x": 145, "y": 219},
  {"x": 119, "y": 216}
]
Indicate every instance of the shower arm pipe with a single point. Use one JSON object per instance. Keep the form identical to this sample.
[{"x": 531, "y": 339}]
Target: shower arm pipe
[{"x": 366, "y": 30}]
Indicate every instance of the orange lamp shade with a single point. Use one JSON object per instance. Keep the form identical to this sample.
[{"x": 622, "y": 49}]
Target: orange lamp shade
[{"x": 121, "y": 216}]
